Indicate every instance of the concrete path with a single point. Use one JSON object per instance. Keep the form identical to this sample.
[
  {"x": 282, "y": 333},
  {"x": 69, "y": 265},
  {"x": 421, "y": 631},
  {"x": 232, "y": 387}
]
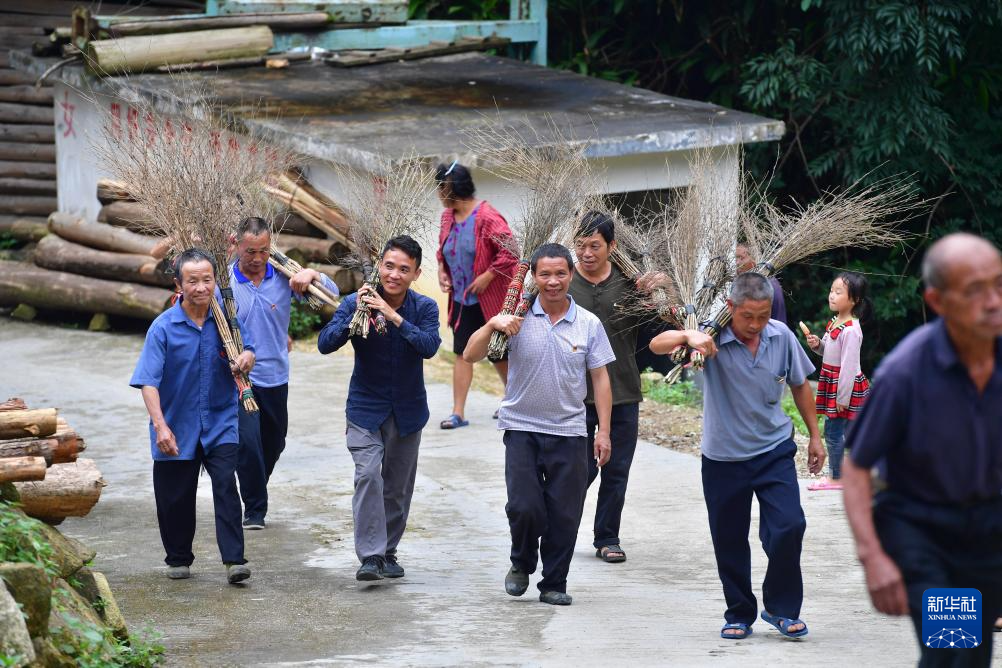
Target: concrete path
[{"x": 664, "y": 606}]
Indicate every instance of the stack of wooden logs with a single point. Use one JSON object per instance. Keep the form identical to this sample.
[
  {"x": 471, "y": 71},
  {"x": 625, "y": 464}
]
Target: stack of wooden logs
[
  {"x": 312, "y": 230},
  {"x": 106, "y": 268},
  {"x": 88, "y": 267},
  {"x": 39, "y": 454},
  {"x": 27, "y": 148}
]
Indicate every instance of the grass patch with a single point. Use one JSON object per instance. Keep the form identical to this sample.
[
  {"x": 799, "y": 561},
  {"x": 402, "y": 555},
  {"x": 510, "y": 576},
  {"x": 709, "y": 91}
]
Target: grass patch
[
  {"x": 683, "y": 393},
  {"x": 790, "y": 408}
]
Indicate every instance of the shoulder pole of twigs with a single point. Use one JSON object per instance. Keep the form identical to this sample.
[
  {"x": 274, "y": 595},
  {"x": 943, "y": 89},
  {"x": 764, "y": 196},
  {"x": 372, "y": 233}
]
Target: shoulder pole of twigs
[
  {"x": 317, "y": 293},
  {"x": 232, "y": 352},
  {"x": 498, "y": 345}
]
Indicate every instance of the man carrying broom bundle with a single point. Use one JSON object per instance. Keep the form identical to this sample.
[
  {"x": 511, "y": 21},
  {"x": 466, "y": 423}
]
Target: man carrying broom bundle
[
  {"x": 264, "y": 301},
  {"x": 748, "y": 448},
  {"x": 188, "y": 388},
  {"x": 600, "y": 287},
  {"x": 551, "y": 352},
  {"x": 387, "y": 405}
]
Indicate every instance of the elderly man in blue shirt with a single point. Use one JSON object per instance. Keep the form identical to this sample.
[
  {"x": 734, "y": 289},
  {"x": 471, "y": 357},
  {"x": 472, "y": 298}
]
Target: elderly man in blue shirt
[
  {"x": 387, "y": 405},
  {"x": 264, "y": 301},
  {"x": 188, "y": 387},
  {"x": 748, "y": 449},
  {"x": 933, "y": 429}
]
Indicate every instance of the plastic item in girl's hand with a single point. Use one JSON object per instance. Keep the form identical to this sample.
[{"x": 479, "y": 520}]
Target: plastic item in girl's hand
[{"x": 803, "y": 328}]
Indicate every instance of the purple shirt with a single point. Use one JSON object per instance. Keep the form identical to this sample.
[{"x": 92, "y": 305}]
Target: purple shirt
[
  {"x": 460, "y": 251},
  {"x": 932, "y": 435},
  {"x": 778, "y": 303}
]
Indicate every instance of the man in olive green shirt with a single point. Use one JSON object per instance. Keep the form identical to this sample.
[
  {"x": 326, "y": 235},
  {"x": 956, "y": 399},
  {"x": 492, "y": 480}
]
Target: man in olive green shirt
[{"x": 598, "y": 286}]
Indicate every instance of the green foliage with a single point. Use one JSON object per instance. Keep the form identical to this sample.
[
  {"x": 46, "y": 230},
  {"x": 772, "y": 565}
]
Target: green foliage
[
  {"x": 683, "y": 393},
  {"x": 21, "y": 540},
  {"x": 303, "y": 321},
  {"x": 790, "y": 408},
  {"x": 7, "y": 241},
  {"x": 93, "y": 646}
]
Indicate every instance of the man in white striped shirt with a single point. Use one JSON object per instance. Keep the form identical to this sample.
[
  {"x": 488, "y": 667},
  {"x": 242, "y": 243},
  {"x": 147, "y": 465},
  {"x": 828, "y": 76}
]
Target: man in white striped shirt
[{"x": 551, "y": 352}]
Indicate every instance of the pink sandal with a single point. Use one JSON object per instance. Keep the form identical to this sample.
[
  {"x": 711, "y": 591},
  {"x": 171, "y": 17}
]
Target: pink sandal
[{"x": 824, "y": 484}]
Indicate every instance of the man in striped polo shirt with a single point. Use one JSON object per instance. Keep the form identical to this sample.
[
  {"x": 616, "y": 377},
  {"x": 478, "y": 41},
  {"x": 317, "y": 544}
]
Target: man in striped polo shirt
[{"x": 551, "y": 353}]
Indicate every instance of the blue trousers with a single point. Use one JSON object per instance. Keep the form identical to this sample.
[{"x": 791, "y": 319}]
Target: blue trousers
[
  {"x": 174, "y": 486},
  {"x": 547, "y": 479},
  {"x": 262, "y": 440},
  {"x": 728, "y": 488},
  {"x": 616, "y": 473},
  {"x": 835, "y": 442},
  {"x": 945, "y": 546}
]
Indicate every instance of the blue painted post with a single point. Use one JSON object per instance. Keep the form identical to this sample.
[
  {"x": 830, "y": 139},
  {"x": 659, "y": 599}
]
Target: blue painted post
[
  {"x": 537, "y": 12},
  {"x": 534, "y": 10}
]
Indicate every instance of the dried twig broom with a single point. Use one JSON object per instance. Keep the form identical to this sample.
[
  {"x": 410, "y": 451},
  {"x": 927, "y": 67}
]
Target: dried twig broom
[
  {"x": 559, "y": 183},
  {"x": 197, "y": 181},
  {"x": 699, "y": 251},
  {"x": 862, "y": 216},
  {"x": 392, "y": 201}
]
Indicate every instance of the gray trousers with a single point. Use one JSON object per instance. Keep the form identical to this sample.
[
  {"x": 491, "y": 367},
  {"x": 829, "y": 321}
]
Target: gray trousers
[{"x": 385, "y": 467}]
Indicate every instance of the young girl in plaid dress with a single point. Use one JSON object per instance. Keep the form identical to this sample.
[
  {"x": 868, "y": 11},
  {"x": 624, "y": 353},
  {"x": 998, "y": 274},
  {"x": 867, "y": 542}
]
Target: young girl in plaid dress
[{"x": 842, "y": 387}]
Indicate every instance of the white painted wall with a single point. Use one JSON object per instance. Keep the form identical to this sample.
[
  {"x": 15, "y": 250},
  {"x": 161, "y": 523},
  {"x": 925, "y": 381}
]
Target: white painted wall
[{"x": 79, "y": 123}]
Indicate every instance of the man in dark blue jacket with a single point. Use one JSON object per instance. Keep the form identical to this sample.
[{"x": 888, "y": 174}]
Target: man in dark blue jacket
[
  {"x": 387, "y": 405},
  {"x": 932, "y": 427}
]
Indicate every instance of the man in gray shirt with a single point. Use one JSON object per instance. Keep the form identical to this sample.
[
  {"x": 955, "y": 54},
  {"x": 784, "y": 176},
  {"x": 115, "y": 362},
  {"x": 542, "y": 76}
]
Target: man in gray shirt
[
  {"x": 551, "y": 352},
  {"x": 748, "y": 448}
]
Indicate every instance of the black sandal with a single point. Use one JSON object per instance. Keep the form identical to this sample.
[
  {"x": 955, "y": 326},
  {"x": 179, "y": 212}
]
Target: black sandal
[{"x": 606, "y": 551}]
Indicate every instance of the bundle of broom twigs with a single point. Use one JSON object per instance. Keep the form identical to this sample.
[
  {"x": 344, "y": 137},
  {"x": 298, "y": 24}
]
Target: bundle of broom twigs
[
  {"x": 197, "y": 183},
  {"x": 862, "y": 215},
  {"x": 560, "y": 186},
  {"x": 700, "y": 227},
  {"x": 378, "y": 208}
]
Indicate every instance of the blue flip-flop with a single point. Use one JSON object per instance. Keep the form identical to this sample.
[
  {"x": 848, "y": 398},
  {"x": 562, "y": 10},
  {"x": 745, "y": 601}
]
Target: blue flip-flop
[
  {"x": 453, "y": 422},
  {"x": 745, "y": 629},
  {"x": 782, "y": 623}
]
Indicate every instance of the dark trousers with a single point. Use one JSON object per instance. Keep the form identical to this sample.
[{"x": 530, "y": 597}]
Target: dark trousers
[
  {"x": 728, "y": 489},
  {"x": 174, "y": 486},
  {"x": 262, "y": 440},
  {"x": 547, "y": 479},
  {"x": 945, "y": 546},
  {"x": 616, "y": 473}
]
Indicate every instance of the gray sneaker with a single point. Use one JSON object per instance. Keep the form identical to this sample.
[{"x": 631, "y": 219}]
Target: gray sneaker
[
  {"x": 253, "y": 525},
  {"x": 236, "y": 573},
  {"x": 555, "y": 597},
  {"x": 178, "y": 572},
  {"x": 516, "y": 582}
]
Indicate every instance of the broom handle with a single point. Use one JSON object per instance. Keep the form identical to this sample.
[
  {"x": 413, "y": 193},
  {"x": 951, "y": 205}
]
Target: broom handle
[
  {"x": 232, "y": 352},
  {"x": 316, "y": 288},
  {"x": 659, "y": 296},
  {"x": 499, "y": 342}
]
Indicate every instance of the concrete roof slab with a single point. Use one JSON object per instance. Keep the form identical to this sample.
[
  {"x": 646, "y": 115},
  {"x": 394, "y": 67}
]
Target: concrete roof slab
[{"x": 423, "y": 106}]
